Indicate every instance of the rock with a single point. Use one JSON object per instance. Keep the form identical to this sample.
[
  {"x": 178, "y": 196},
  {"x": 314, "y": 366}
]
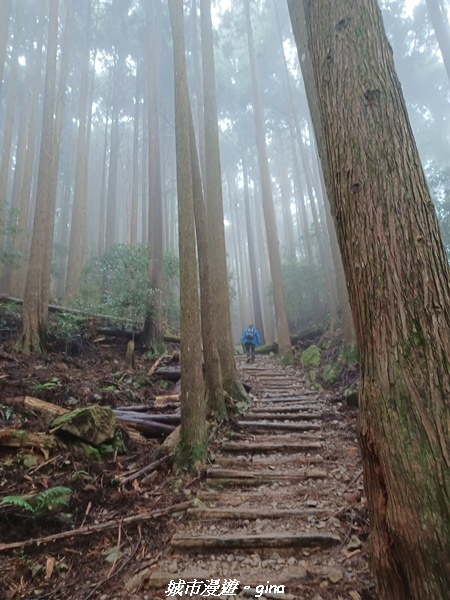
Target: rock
[
  {"x": 93, "y": 424},
  {"x": 354, "y": 543},
  {"x": 173, "y": 567},
  {"x": 335, "y": 575}
]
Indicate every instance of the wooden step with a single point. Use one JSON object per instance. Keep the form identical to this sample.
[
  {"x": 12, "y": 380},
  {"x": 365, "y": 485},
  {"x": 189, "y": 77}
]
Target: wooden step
[
  {"x": 298, "y": 475},
  {"x": 284, "y": 408},
  {"x": 271, "y": 446},
  {"x": 264, "y": 540},
  {"x": 224, "y": 462},
  {"x": 272, "y": 425},
  {"x": 285, "y": 399},
  {"x": 291, "y": 416},
  {"x": 260, "y": 513}
]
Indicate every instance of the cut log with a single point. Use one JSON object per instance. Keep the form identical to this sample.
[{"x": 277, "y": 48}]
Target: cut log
[
  {"x": 129, "y": 356},
  {"x": 323, "y": 540},
  {"x": 217, "y": 473},
  {"x": 46, "y": 410},
  {"x": 260, "y": 513},
  {"x": 167, "y": 399},
  {"x": 270, "y": 446}
]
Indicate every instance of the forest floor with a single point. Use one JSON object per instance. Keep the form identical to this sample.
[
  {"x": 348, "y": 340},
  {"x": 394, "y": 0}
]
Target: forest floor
[{"x": 87, "y": 549}]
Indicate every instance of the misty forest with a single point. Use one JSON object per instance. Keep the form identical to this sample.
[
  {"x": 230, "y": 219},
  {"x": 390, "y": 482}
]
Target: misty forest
[{"x": 225, "y": 299}]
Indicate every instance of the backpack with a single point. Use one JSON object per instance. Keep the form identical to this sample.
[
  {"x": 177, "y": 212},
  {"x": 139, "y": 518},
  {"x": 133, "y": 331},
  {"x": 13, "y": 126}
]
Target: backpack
[{"x": 250, "y": 335}]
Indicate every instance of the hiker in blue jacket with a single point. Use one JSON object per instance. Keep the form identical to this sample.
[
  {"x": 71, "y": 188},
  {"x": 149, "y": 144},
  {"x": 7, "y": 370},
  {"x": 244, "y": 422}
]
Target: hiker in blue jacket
[{"x": 250, "y": 339}]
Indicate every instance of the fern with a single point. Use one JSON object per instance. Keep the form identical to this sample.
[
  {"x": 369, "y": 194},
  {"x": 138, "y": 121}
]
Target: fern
[
  {"x": 53, "y": 499},
  {"x": 48, "y": 501},
  {"x": 17, "y": 501}
]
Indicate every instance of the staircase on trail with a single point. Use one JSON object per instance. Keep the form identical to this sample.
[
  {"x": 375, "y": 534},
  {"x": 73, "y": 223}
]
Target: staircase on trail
[{"x": 267, "y": 514}]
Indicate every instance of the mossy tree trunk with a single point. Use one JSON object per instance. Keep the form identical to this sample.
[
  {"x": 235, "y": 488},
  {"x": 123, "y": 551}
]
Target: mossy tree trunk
[
  {"x": 399, "y": 287},
  {"x": 193, "y": 433}
]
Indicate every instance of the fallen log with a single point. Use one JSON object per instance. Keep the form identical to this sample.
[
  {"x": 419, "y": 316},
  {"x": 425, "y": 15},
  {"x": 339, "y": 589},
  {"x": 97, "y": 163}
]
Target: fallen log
[
  {"x": 140, "y": 417},
  {"x": 19, "y": 438},
  {"x": 152, "y": 428},
  {"x": 156, "y": 364},
  {"x": 108, "y": 525},
  {"x": 168, "y": 399},
  {"x": 46, "y": 409},
  {"x": 169, "y": 373},
  {"x": 283, "y": 540}
]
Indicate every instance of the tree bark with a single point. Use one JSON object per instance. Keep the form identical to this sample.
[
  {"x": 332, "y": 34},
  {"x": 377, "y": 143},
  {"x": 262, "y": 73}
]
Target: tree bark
[
  {"x": 214, "y": 202},
  {"x": 35, "y": 310},
  {"x": 441, "y": 29},
  {"x": 153, "y": 317},
  {"x": 213, "y": 373},
  {"x": 193, "y": 432},
  {"x": 399, "y": 287},
  {"x": 78, "y": 224}
]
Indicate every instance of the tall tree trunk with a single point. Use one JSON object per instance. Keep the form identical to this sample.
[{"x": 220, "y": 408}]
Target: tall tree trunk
[
  {"x": 78, "y": 222},
  {"x": 111, "y": 233},
  {"x": 54, "y": 169},
  {"x": 35, "y": 305},
  {"x": 308, "y": 78},
  {"x": 256, "y": 299},
  {"x": 153, "y": 318},
  {"x": 214, "y": 202},
  {"x": 5, "y": 10},
  {"x": 21, "y": 240},
  {"x": 198, "y": 88},
  {"x": 284, "y": 342},
  {"x": 135, "y": 180},
  {"x": 8, "y": 132},
  {"x": 213, "y": 373},
  {"x": 441, "y": 29},
  {"x": 399, "y": 287},
  {"x": 193, "y": 434}
]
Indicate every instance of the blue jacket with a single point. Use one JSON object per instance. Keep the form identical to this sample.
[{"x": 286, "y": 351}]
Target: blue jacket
[{"x": 254, "y": 341}]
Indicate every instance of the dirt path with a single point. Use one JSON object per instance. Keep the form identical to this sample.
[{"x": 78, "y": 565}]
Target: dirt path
[{"x": 281, "y": 513}]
